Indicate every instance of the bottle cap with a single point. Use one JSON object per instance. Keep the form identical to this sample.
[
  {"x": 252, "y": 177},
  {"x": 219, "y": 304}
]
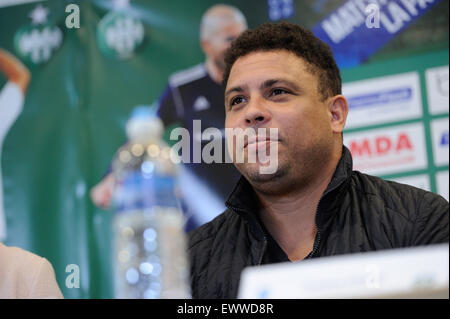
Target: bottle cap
[{"x": 144, "y": 124}]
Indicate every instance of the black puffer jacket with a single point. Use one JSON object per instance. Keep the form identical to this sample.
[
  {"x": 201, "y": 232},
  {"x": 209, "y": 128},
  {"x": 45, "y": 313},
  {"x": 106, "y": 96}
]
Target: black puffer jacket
[{"x": 356, "y": 213}]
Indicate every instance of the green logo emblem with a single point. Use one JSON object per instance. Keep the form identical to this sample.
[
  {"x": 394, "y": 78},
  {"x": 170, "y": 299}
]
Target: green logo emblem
[
  {"x": 37, "y": 42},
  {"x": 119, "y": 35}
]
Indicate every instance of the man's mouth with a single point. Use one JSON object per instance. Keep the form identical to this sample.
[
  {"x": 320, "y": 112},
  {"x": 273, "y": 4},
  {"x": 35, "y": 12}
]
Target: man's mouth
[{"x": 259, "y": 141}]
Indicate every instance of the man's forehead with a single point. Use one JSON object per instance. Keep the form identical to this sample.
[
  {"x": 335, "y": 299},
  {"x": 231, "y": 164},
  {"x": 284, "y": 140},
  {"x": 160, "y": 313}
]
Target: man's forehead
[
  {"x": 274, "y": 64},
  {"x": 279, "y": 59}
]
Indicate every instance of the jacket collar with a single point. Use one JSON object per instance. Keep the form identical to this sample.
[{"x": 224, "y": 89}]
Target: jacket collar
[{"x": 243, "y": 199}]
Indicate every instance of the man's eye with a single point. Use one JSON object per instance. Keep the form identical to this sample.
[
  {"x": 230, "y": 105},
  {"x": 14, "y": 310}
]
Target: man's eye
[
  {"x": 236, "y": 100},
  {"x": 278, "y": 92}
]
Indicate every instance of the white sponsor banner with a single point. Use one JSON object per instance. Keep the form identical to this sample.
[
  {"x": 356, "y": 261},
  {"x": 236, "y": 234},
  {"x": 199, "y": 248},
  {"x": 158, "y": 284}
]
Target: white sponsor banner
[
  {"x": 420, "y": 181},
  {"x": 419, "y": 272},
  {"x": 437, "y": 89},
  {"x": 383, "y": 99},
  {"x": 442, "y": 184},
  {"x": 388, "y": 150},
  {"x": 439, "y": 134}
]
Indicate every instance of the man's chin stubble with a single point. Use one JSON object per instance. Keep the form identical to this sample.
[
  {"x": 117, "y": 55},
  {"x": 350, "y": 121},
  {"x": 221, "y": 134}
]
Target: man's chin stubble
[{"x": 258, "y": 180}]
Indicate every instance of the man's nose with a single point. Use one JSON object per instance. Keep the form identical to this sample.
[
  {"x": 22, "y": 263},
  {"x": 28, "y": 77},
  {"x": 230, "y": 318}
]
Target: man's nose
[{"x": 257, "y": 113}]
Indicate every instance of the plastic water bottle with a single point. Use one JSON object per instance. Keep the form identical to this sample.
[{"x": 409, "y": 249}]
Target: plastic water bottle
[{"x": 150, "y": 255}]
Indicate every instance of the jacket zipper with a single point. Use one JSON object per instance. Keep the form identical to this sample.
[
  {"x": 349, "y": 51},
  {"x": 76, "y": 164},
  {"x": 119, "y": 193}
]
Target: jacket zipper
[
  {"x": 315, "y": 247},
  {"x": 318, "y": 235}
]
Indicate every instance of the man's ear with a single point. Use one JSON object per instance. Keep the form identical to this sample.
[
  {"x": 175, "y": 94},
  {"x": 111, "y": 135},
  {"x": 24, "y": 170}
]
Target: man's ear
[{"x": 338, "y": 108}]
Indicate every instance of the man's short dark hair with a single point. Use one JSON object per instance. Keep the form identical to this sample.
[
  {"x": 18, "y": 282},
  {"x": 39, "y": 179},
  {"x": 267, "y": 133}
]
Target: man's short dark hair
[{"x": 295, "y": 39}]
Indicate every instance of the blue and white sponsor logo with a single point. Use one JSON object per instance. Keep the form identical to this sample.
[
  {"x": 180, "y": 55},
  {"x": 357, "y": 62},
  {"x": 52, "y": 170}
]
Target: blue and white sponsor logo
[
  {"x": 440, "y": 136},
  {"x": 444, "y": 139},
  {"x": 383, "y": 99}
]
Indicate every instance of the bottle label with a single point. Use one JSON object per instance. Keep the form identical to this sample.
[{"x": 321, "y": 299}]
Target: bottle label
[{"x": 136, "y": 191}]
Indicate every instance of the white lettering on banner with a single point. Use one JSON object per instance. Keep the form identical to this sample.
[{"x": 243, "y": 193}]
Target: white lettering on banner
[
  {"x": 398, "y": 15},
  {"x": 420, "y": 181},
  {"x": 340, "y": 24},
  {"x": 388, "y": 150},
  {"x": 351, "y": 15},
  {"x": 383, "y": 99},
  {"x": 437, "y": 80},
  {"x": 440, "y": 136},
  {"x": 442, "y": 184}
]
